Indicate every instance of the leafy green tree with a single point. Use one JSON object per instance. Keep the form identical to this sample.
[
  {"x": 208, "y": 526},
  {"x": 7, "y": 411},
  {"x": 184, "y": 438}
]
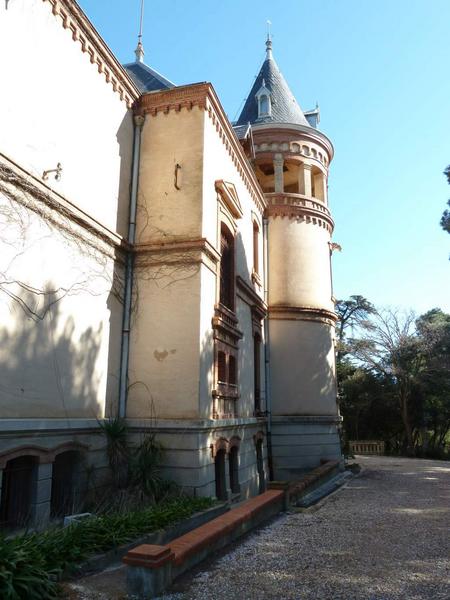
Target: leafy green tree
[
  {"x": 390, "y": 349},
  {"x": 433, "y": 329},
  {"x": 351, "y": 313},
  {"x": 445, "y": 219}
]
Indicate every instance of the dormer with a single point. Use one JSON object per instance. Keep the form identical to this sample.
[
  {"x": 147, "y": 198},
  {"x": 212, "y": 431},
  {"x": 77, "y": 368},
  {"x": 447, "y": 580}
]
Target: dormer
[{"x": 264, "y": 103}]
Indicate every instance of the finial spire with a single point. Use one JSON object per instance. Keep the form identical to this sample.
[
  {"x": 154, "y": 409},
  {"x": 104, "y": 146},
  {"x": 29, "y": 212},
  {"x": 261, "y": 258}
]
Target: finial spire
[
  {"x": 140, "y": 48},
  {"x": 269, "y": 41}
]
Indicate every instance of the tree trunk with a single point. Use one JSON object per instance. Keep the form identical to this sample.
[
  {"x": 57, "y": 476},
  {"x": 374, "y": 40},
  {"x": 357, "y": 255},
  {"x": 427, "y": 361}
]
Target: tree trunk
[{"x": 406, "y": 424}]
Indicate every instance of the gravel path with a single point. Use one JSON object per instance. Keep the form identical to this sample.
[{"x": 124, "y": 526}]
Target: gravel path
[{"x": 385, "y": 536}]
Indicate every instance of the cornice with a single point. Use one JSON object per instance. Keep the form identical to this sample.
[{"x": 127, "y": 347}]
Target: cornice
[
  {"x": 177, "y": 252},
  {"x": 297, "y": 206},
  {"x": 307, "y": 132},
  {"x": 302, "y": 313},
  {"x": 203, "y": 96},
  {"x": 73, "y": 18}
]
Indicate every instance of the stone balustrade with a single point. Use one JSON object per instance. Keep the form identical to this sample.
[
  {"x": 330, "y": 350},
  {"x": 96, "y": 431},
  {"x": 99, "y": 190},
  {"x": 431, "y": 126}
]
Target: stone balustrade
[{"x": 368, "y": 447}]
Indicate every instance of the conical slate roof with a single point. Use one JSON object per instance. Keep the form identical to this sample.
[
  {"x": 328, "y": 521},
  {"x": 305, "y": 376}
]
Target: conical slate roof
[
  {"x": 145, "y": 78},
  {"x": 284, "y": 107}
]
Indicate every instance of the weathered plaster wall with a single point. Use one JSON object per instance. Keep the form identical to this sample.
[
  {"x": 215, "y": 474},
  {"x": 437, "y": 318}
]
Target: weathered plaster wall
[
  {"x": 302, "y": 368},
  {"x": 166, "y": 343},
  {"x": 60, "y": 361},
  {"x": 68, "y": 111},
  {"x": 165, "y": 212},
  {"x": 299, "y": 264},
  {"x": 56, "y": 313}
]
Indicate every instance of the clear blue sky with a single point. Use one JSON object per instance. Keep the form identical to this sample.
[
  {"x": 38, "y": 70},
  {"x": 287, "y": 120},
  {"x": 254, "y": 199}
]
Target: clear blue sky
[{"x": 380, "y": 72}]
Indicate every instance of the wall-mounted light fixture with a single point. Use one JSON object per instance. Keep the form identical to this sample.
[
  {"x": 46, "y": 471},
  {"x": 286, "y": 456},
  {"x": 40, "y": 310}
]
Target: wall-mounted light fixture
[{"x": 56, "y": 171}]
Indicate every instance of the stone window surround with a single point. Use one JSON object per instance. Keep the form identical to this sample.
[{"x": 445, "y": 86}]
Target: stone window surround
[{"x": 45, "y": 455}]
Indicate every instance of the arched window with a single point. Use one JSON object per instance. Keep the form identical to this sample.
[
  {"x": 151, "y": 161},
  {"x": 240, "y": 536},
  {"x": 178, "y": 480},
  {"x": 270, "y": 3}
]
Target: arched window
[
  {"x": 260, "y": 467},
  {"x": 65, "y": 484},
  {"x": 234, "y": 470},
  {"x": 255, "y": 247},
  {"x": 19, "y": 478},
  {"x": 221, "y": 484},
  {"x": 227, "y": 268}
]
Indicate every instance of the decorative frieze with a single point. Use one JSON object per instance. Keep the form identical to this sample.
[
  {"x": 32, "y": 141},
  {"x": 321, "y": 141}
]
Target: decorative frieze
[{"x": 292, "y": 148}]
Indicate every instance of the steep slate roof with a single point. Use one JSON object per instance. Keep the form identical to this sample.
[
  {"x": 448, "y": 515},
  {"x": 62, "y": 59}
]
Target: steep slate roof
[
  {"x": 146, "y": 79},
  {"x": 284, "y": 107}
]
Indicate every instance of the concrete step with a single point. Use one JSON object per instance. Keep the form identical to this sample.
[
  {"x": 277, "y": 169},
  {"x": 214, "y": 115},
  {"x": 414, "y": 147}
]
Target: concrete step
[{"x": 323, "y": 490}]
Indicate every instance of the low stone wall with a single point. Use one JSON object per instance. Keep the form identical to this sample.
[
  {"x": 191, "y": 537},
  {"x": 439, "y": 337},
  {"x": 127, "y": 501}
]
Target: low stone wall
[
  {"x": 152, "y": 568},
  {"x": 101, "y": 561},
  {"x": 294, "y": 490}
]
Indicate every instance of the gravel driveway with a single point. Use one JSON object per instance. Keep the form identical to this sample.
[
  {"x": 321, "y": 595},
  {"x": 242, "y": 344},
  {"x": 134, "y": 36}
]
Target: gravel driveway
[{"x": 385, "y": 535}]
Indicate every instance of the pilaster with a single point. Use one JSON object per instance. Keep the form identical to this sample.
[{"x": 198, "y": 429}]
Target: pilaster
[
  {"x": 305, "y": 182},
  {"x": 40, "y": 506},
  {"x": 320, "y": 186},
  {"x": 278, "y": 163}
]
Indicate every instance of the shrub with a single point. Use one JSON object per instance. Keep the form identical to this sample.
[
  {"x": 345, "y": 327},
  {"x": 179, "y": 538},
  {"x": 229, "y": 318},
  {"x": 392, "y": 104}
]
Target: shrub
[{"x": 31, "y": 564}]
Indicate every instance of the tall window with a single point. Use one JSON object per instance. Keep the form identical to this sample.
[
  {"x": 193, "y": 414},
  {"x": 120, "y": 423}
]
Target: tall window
[
  {"x": 17, "y": 491},
  {"x": 260, "y": 466},
  {"x": 232, "y": 370},
  {"x": 264, "y": 105},
  {"x": 255, "y": 247},
  {"x": 221, "y": 367},
  {"x": 234, "y": 470},
  {"x": 221, "y": 484},
  {"x": 257, "y": 371},
  {"x": 227, "y": 268}
]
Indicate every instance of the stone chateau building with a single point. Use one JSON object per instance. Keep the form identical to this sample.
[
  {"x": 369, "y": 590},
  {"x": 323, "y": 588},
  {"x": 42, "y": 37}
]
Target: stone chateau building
[{"x": 157, "y": 263}]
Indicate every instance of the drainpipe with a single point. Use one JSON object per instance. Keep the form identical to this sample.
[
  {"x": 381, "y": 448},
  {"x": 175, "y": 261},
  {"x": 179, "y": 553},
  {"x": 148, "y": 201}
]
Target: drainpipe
[
  {"x": 125, "y": 346},
  {"x": 267, "y": 351}
]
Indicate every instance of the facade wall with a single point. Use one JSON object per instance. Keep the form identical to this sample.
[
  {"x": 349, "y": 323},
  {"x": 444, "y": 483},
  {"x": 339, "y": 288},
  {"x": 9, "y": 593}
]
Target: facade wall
[
  {"x": 301, "y": 443},
  {"x": 169, "y": 284},
  {"x": 70, "y": 113},
  {"x": 301, "y": 248},
  {"x": 61, "y": 267},
  {"x": 59, "y": 307},
  {"x": 218, "y": 165},
  {"x": 166, "y": 213},
  {"x": 188, "y": 458},
  {"x": 302, "y": 370}
]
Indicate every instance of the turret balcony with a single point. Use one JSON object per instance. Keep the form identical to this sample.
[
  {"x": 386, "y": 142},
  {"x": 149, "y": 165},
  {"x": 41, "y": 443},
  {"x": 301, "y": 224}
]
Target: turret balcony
[{"x": 298, "y": 205}]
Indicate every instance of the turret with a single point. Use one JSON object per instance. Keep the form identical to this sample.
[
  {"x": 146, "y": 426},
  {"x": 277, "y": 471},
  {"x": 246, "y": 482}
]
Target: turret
[{"x": 291, "y": 158}]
